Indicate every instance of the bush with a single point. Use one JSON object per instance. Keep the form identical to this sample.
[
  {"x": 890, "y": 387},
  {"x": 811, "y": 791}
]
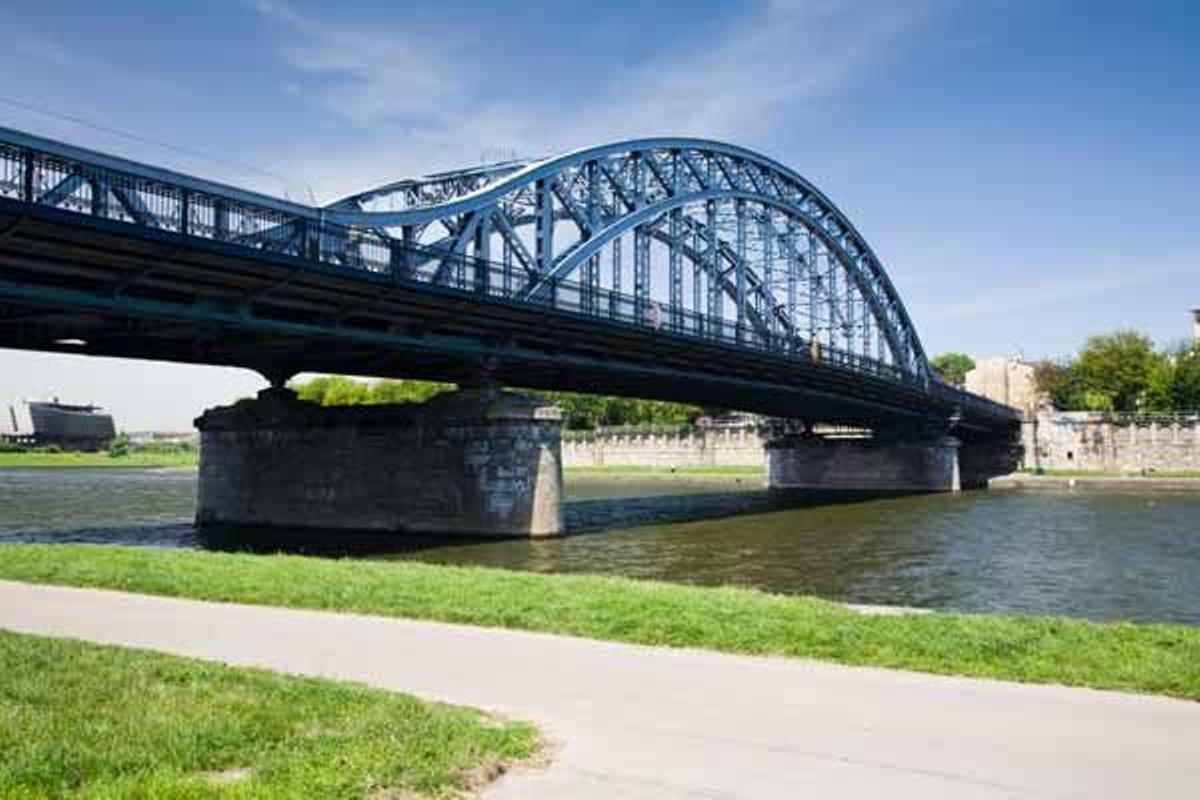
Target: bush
[{"x": 119, "y": 447}]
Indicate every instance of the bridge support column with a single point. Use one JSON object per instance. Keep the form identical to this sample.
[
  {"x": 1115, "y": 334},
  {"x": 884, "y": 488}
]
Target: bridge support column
[
  {"x": 478, "y": 462},
  {"x": 930, "y": 463},
  {"x": 863, "y": 465}
]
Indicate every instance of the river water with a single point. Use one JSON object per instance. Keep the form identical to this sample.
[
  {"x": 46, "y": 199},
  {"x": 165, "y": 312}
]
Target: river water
[{"x": 1119, "y": 555}]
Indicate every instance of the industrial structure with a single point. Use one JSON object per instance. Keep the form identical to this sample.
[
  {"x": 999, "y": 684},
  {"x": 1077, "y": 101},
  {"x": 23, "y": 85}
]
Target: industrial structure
[
  {"x": 43, "y": 423},
  {"x": 677, "y": 269}
]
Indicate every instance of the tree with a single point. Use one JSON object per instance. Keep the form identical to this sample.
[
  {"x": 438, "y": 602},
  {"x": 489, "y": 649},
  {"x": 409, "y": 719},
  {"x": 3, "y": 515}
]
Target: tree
[
  {"x": 1185, "y": 383},
  {"x": 1057, "y": 381},
  {"x": 405, "y": 391},
  {"x": 953, "y": 367},
  {"x": 1115, "y": 368},
  {"x": 336, "y": 390},
  {"x": 1160, "y": 386}
]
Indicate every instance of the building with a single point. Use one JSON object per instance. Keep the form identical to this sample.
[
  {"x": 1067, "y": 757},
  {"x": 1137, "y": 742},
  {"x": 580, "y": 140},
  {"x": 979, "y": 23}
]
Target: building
[
  {"x": 41, "y": 423},
  {"x": 1005, "y": 380},
  {"x": 1196, "y": 326}
]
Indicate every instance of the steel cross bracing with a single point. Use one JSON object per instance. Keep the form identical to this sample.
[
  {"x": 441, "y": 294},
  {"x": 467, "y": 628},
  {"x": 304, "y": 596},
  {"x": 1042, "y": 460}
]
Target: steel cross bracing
[
  {"x": 774, "y": 263},
  {"x": 689, "y": 237}
]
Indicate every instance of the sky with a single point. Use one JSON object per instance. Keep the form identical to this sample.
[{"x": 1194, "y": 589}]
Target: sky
[{"x": 1028, "y": 172}]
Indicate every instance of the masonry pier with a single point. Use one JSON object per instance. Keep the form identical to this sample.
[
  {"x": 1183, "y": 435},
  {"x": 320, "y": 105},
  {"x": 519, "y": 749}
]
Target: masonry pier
[
  {"x": 888, "y": 464},
  {"x": 478, "y": 462}
]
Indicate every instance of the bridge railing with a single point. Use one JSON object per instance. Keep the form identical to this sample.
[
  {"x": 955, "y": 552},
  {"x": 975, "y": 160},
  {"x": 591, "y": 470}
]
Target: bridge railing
[{"x": 81, "y": 186}]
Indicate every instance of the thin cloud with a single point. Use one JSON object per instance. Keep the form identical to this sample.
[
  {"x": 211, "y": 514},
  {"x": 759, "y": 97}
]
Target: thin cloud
[
  {"x": 367, "y": 75},
  {"x": 437, "y": 116}
]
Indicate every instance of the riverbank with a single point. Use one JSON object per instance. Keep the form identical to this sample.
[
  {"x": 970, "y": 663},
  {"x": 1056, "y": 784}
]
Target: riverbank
[
  {"x": 1157, "y": 659},
  {"x": 1100, "y": 482},
  {"x": 101, "y": 460},
  {"x": 100, "y": 721},
  {"x": 652, "y": 722}
]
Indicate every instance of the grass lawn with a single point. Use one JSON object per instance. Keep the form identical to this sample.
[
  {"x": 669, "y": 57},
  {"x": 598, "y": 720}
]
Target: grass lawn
[
  {"x": 95, "y": 460},
  {"x": 88, "y": 721},
  {"x": 1160, "y": 659}
]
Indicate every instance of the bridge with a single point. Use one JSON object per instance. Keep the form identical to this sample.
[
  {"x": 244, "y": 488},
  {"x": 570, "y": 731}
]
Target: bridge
[{"x": 676, "y": 269}]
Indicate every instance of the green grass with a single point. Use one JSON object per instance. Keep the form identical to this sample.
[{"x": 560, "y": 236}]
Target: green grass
[
  {"x": 95, "y": 460},
  {"x": 80, "y": 720},
  {"x": 1160, "y": 659},
  {"x": 667, "y": 472}
]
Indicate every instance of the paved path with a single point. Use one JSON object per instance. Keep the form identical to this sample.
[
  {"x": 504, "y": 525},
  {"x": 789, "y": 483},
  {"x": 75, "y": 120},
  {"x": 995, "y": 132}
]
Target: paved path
[{"x": 640, "y": 722}]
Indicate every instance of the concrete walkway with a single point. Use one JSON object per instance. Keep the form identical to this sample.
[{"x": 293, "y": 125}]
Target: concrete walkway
[{"x": 639, "y": 722}]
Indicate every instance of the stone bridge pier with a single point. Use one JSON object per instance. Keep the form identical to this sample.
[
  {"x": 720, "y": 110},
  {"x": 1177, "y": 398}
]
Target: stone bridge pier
[
  {"x": 890, "y": 463},
  {"x": 476, "y": 462}
]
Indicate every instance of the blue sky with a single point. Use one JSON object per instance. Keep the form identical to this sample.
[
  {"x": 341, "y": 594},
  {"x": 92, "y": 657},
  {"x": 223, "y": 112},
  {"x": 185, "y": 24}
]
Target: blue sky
[{"x": 1028, "y": 172}]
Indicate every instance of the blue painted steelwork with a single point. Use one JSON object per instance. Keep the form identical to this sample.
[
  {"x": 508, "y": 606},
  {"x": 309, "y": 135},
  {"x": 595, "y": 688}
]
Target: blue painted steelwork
[{"x": 776, "y": 268}]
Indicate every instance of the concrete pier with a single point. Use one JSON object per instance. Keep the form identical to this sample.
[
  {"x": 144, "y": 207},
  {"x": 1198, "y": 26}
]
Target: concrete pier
[
  {"x": 480, "y": 462},
  {"x": 863, "y": 465}
]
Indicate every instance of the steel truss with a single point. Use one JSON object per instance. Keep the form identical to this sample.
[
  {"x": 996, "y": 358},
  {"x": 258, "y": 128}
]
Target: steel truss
[{"x": 679, "y": 236}]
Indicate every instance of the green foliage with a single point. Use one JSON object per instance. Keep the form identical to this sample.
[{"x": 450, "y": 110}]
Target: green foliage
[
  {"x": 88, "y": 721},
  {"x": 335, "y": 390},
  {"x": 10, "y": 447},
  {"x": 1114, "y": 369},
  {"x": 119, "y": 448},
  {"x": 1185, "y": 380},
  {"x": 1121, "y": 371},
  {"x": 1159, "y": 394},
  {"x": 953, "y": 367},
  {"x": 1162, "y": 659},
  {"x": 580, "y": 411},
  {"x": 1058, "y": 381},
  {"x": 587, "y": 412}
]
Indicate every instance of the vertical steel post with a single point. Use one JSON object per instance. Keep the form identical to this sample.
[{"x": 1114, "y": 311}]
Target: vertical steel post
[
  {"x": 507, "y": 256},
  {"x": 697, "y": 281},
  {"x": 715, "y": 298},
  {"x": 793, "y": 278},
  {"x": 768, "y": 294},
  {"x": 641, "y": 273},
  {"x": 676, "y": 268},
  {"x": 483, "y": 253},
  {"x": 614, "y": 299},
  {"x": 185, "y": 215},
  {"x": 30, "y": 167},
  {"x": 740, "y": 266},
  {"x": 814, "y": 286},
  {"x": 544, "y": 226},
  {"x": 831, "y": 286}
]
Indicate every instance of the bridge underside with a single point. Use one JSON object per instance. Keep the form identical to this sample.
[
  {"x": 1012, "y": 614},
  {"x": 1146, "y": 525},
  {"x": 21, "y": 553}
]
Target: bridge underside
[{"x": 91, "y": 286}]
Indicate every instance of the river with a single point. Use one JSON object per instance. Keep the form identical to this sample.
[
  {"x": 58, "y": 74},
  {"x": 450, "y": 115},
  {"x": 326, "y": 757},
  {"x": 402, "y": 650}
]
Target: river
[{"x": 1119, "y": 555}]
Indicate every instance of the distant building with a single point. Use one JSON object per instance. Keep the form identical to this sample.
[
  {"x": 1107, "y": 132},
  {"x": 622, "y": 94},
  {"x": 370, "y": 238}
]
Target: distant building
[
  {"x": 1006, "y": 380},
  {"x": 42, "y": 423},
  {"x": 1196, "y": 326}
]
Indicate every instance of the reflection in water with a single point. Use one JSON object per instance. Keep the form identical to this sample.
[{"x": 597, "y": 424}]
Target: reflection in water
[{"x": 1119, "y": 555}]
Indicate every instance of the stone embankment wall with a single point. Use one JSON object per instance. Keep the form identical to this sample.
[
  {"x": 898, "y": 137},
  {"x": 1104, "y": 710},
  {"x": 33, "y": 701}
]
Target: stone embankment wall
[
  {"x": 739, "y": 446},
  {"x": 1112, "y": 442}
]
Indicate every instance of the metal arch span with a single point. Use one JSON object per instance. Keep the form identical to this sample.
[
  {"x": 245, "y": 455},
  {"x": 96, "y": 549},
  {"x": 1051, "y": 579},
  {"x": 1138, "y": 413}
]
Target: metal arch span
[
  {"x": 669, "y": 268},
  {"x": 770, "y": 255}
]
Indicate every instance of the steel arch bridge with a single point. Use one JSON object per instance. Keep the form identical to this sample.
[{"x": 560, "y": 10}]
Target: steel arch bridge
[
  {"x": 584, "y": 271},
  {"x": 711, "y": 238}
]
